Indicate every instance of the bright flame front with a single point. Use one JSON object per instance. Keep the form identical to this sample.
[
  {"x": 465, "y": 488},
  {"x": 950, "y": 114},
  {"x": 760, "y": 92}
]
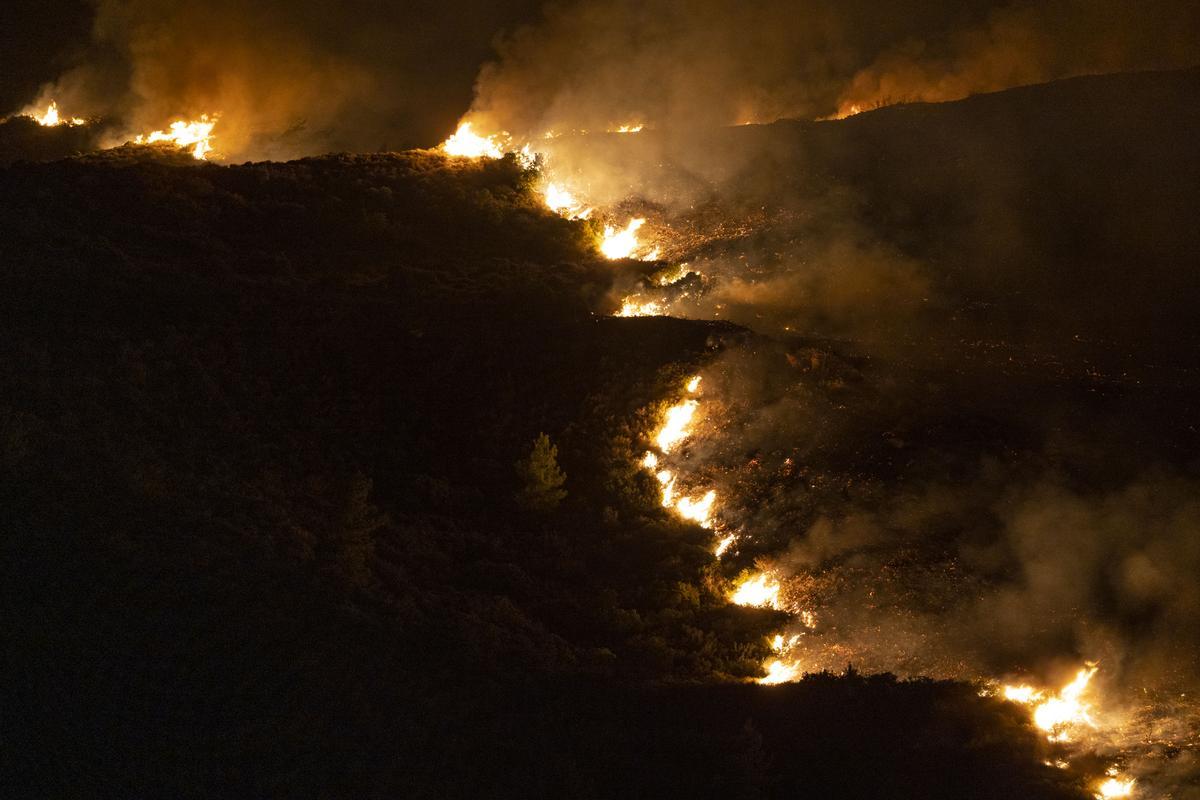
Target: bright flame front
[
  {"x": 196, "y": 135},
  {"x": 623, "y": 243},
  {"x": 51, "y": 117},
  {"x": 1114, "y": 788},
  {"x": 760, "y": 591},
  {"x": 675, "y": 427},
  {"x": 1059, "y": 714},
  {"x": 465, "y": 143}
]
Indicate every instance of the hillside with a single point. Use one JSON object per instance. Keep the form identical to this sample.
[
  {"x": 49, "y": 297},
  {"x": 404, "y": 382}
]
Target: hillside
[{"x": 260, "y": 530}]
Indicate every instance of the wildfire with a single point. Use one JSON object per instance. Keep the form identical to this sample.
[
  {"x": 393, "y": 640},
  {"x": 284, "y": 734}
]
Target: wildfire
[
  {"x": 631, "y": 307},
  {"x": 675, "y": 427},
  {"x": 623, "y": 243},
  {"x": 1115, "y": 787},
  {"x": 760, "y": 591},
  {"x": 466, "y": 143},
  {"x": 698, "y": 511},
  {"x": 196, "y": 135},
  {"x": 1057, "y": 714},
  {"x": 628, "y": 129},
  {"x": 724, "y": 543},
  {"x": 780, "y": 672},
  {"x": 52, "y": 118},
  {"x": 563, "y": 203}
]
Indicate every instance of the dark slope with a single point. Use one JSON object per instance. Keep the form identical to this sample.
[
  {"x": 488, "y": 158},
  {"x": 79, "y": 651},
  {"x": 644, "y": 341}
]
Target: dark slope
[
  {"x": 1057, "y": 217},
  {"x": 257, "y": 435}
]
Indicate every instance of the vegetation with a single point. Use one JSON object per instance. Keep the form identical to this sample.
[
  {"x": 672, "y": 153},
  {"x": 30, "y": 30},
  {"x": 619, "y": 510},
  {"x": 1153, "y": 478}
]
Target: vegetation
[{"x": 257, "y": 528}]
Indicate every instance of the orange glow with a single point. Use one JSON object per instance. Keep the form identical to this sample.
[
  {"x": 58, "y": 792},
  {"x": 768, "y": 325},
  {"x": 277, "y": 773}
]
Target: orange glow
[
  {"x": 51, "y": 117},
  {"x": 780, "y": 672},
  {"x": 196, "y": 135},
  {"x": 675, "y": 427},
  {"x": 760, "y": 591},
  {"x": 465, "y": 143},
  {"x": 1115, "y": 787},
  {"x": 1059, "y": 714},
  {"x": 622, "y": 243}
]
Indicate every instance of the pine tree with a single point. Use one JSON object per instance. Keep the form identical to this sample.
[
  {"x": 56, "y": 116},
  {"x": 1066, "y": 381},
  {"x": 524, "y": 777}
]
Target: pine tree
[{"x": 541, "y": 479}]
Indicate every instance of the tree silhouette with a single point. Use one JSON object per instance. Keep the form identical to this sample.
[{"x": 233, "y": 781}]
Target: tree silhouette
[{"x": 541, "y": 479}]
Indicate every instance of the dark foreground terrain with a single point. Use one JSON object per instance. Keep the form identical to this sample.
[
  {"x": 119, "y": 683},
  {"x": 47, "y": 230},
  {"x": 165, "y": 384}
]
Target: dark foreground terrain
[{"x": 260, "y": 523}]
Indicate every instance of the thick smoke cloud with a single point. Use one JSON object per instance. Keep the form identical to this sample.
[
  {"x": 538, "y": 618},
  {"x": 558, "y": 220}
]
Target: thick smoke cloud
[
  {"x": 598, "y": 65},
  {"x": 1027, "y": 43},
  {"x": 285, "y": 78}
]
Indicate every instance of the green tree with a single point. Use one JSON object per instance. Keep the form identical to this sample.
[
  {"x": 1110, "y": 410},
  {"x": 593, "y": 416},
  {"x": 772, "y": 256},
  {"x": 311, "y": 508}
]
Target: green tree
[{"x": 541, "y": 479}]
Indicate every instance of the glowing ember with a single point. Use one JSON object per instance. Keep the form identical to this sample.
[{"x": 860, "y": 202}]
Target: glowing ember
[
  {"x": 621, "y": 244},
  {"x": 197, "y": 135},
  {"x": 52, "y": 118},
  {"x": 631, "y": 307},
  {"x": 779, "y": 672},
  {"x": 759, "y": 591},
  {"x": 675, "y": 428},
  {"x": 1115, "y": 787},
  {"x": 468, "y": 144}
]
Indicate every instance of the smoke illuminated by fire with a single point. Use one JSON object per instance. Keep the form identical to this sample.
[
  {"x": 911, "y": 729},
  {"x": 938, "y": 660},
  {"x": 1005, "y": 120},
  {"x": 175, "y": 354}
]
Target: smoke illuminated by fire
[{"x": 197, "y": 135}]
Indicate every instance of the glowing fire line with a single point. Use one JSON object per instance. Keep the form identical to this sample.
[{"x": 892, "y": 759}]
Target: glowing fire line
[{"x": 196, "y": 135}]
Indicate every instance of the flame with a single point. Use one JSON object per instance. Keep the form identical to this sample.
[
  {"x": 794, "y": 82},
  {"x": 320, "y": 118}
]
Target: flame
[
  {"x": 675, "y": 427},
  {"x": 1022, "y": 694},
  {"x": 628, "y": 128},
  {"x": 779, "y": 672},
  {"x": 724, "y": 543},
  {"x": 634, "y": 308},
  {"x": 52, "y": 118},
  {"x": 699, "y": 511},
  {"x": 1058, "y": 714},
  {"x": 667, "y": 481},
  {"x": 467, "y": 144},
  {"x": 1115, "y": 787},
  {"x": 562, "y": 202},
  {"x": 760, "y": 591},
  {"x": 621, "y": 244},
  {"x": 559, "y": 199},
  {"x": 1067, "y": 709},
  {"x": 693, "y": 384},
  {"x": 197, "y": 135}
]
